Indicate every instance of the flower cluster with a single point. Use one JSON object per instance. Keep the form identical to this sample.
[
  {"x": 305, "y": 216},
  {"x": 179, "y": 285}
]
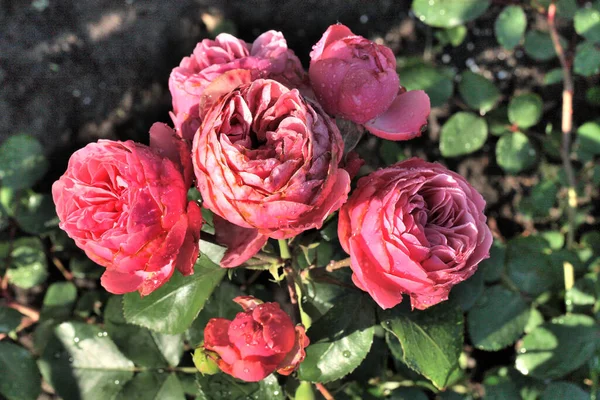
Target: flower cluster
[{"x": 257, "y": 136}]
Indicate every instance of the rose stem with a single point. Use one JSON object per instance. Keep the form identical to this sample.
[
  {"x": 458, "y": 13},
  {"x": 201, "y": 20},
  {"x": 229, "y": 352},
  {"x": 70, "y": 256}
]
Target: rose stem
[
  {"x": 566, "y": 127},
  {"x": 284, "y": 251},
  {"x": 324, "y": 392},
  {"x": 333, "y": 265},
  {"x": 68, "y": 276}
]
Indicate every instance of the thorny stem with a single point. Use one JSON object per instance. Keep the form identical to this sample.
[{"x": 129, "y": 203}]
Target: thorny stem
[
  {"x": 333, "y": 265},
  {"x": 566, "y": 127},
  {"x": 324, "y": 392}
]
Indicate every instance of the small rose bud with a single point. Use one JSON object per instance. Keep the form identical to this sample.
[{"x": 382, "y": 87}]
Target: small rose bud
[{"x": 203, "y": 360}]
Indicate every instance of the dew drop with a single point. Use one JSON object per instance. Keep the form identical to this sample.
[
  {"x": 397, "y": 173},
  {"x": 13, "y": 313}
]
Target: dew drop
[
  {"x": 76, "y": 339},
  {"x": 346, "y": 353},
  {"x": 117, "y": 382}
]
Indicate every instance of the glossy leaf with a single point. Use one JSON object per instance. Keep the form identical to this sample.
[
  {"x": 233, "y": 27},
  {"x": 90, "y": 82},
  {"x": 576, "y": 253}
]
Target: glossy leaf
[
  {"x": 10, "y": 319},
  {"x": 81, "y": 363},
  {"x": 142, "y": 346},
  {"x": 510, "y": 26},
  {"x": 564, "y": 390},
  {"x": 434, "y": 81},
  {"x": 463, "y": 133},
  {"x": 20, "y": 377},
  {"x": 22, "y": 162},
  {"x": 587, "y": 24},
  {"x": 539, "y": 46},
  {"x": 525, "y": 110},
  {"x": 515, "y": 153},
  {"x": 431, "y": 340},
  {"x": 449, "y": 13},
  {"x": 224, "y": 387},
  {"x": 28, "y": 266},
  {"x": 587, "y": 59},
  {"x": 498, "y": 319},
  {"x": 173, "y": 307},
  {"x": 36, "y": 213},
  {"x": 340, "y": 340},
  {"x": 59, "y": 300},
  {"x": 478, "y": 92},
  {"x": 529, "y": 266},
  {"x": 558, "y": 347},
  {"x": 152, "y": 385}
]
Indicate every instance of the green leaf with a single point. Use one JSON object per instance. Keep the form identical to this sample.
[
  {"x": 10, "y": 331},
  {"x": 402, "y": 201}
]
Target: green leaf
[
  {"x": 529, "y": 265},
  {"x": 59, "y": 300},
  {"x": 10, "y": 319},
  {"x": 22, "y": 162},
  {"x": 408, "y": 393},
  {"x": 219, "y": 305},
  {"x": 587, "y": 24},
  {"x": 28, "y": 266},
  {"x": 588, "y": 140},
  {"x": 82, "y": 363},
  {"x": 504, "y": 390},
  {"x": 431, "y": 340},
  {"x": 498, "y": 122},
  {"x": 525, "y": 110},
  {"x": 515, "y": 153},
  {"x": 339, "y": 341},
  {"x": 556, "y": 348},
  {"x": 587, "y": 59},
  {"x": 498, "y": 319},
  {"x": 448, "y": 13},
  {"x": 586, "y": 290},
  {"x": 555, "y": 239},
  {"x": 553, "y": 76},
  {"x": 564, "y": 390},
  {"x": 566, "y": 8},
  {"x": 539, "y": 46},
  {"x": 20, "y": 377},
  {"x": 540, "y": 200},
  {"x": 152, "y": 385},
  {"x": 494, "y": 266},
  {"x": 455, "y": 36},
  {"x": 173, "y": 307},
  {"x": 36, "y": 213},
  {"x": 463, "y": 133},
  {"x": 510, "y": 26},
  {"x": 467, "y": 292},
  {"x": 142, "y": 346},
  {"x": 478, "y": 92},
  {"x": 592, "y": 95},
  {"x": 434, "y": 81},
  {"x": 225, "y": 387}
]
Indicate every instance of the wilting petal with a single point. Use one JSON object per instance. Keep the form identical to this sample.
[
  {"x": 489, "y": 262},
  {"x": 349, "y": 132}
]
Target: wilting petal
[{"x": 405, "y": 119}]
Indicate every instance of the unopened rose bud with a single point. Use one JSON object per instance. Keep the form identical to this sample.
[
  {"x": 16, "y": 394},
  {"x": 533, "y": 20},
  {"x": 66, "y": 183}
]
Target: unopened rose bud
[{"x": 204, "y": 363}]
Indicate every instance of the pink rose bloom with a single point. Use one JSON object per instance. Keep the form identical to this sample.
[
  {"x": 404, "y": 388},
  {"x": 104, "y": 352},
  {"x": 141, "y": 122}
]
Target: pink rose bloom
[
  {"x": 258, "y": 342},
  {"x": 268, "y": 56},
  {"x": 356, "y": 79},
  {"x": 414, "y": 228},
  {"x": 267, "y": 160},
  {"x": 125, "y": 205}
]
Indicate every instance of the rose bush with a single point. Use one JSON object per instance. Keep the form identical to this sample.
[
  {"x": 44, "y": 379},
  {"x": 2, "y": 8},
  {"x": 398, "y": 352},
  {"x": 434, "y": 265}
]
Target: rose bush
[
  {"x": 258, "y": 341},
  {"x": 267, "y": 160},
  {"x": 413, "y": 228},
  {"x": 356, "y": 79},
  {"x": 268, "y": 56},
  {"x": 125, "y": 205}
]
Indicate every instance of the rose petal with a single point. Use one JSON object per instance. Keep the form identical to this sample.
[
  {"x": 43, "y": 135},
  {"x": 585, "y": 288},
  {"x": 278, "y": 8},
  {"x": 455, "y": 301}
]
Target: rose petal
[
  {"x": 405, "y": 118},
  {"x": 242, "y": 243}
]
